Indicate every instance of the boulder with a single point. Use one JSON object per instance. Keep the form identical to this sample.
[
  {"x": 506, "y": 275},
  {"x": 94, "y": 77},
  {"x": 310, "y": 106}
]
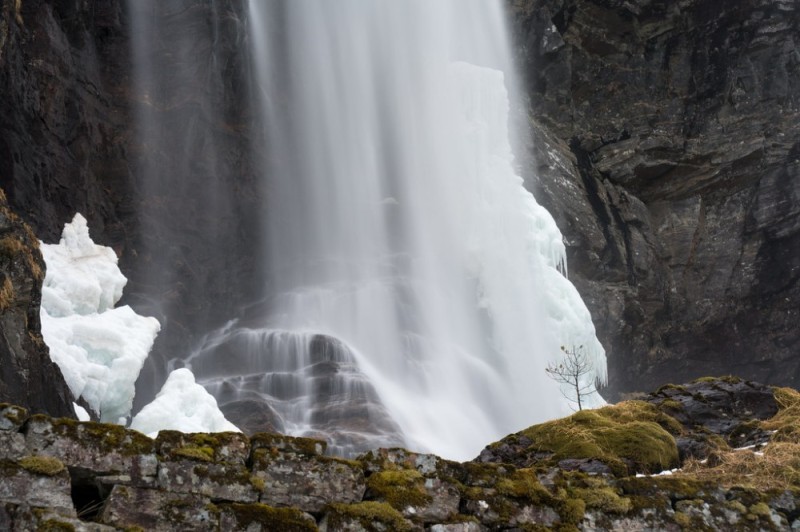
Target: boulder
[
  {"x": 36, "y": 481},
  {"x": 95, "y": 449}
]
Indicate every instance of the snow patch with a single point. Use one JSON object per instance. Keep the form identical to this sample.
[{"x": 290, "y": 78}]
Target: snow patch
[
  {"x": 81, "y": 412},
  {"x": 100, "y": 349},
  {"x": 182, "y": 405}
]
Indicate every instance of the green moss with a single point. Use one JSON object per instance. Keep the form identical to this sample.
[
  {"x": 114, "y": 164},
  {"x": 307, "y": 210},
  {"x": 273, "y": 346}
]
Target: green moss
[
  {"x": 728, "y": 379},
  {"x": 201, "y": 446},
  {"x": 371, "y": 515},
  {"x": 737, "y": 507},
  {"x": 350, "y": 464},
  {"x": 629, "y": 411},
  {"x": 671, "y": 387},
  {"x": 284, "y": 519},
  {"x": 523, "y": 484},
  {"x": 483, "y": 475},
  {"x": 671, "y": 404},
  {"x": 631, "y": 432},
  {"x": 682, "y": 520},
  {"x": 400, "y": 488},
  {"x": 288, "y": 444},
  {"x": 202, "y": 454},
  {"x": 604, "y": 498},
  {"x": 572, "y": 510},
  {"x": 258, "y": 483},
  {"x": 42, "y": 465},
  {"x": 54, "y": 525},
  {"x": 760, "y": 509}
]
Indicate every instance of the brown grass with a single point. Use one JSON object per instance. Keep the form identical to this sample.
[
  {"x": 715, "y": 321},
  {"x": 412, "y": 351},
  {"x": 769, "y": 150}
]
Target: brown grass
[{"x": 776, "y": 466}]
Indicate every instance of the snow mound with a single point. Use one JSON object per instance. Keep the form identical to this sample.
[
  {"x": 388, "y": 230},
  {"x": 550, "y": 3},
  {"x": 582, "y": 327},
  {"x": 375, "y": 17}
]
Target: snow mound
[
  {"x": 182, "y": 405},
  {"x": 100, "y": 349}
]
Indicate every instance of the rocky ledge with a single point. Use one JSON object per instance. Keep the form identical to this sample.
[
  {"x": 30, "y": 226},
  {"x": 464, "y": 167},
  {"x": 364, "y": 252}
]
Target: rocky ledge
[{"x": 736, "y": 443}]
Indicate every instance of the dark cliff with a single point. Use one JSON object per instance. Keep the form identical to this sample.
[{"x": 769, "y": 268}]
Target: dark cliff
[
  {"x": 71, "y": 140},
  {"x": 666, "y": 148},
  {"x": 668, "y": 151}
]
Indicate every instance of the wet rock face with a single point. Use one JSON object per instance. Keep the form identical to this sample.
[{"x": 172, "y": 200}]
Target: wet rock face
[{"x": 667, "y": 149}]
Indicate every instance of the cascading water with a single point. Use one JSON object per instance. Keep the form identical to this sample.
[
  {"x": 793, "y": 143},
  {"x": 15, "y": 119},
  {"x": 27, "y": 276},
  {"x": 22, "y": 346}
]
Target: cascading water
[{"x": 415, "y": 293}]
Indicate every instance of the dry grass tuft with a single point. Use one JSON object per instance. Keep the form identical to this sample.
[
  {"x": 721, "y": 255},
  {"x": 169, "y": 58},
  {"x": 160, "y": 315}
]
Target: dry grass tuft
[{"x": 776, "y": 467}]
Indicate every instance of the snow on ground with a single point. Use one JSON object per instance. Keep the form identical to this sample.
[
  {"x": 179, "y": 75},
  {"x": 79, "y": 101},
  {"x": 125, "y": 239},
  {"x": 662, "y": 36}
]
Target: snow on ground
[
  {"x": 182, "y": 405},
  {"x": 101, "y": 349}
]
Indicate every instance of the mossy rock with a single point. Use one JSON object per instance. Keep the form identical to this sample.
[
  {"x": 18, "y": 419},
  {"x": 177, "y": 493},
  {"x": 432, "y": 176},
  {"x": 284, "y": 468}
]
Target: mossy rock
[
  {"x": 202, "y": 446},
  {"x": 106, "y": 437},
  {"x": 400, "y": 488},
  {"x": 482, "y": 475},
  {"x": 727, "y": 379},
  {"x": 13, "y": 416},
  {"x": 523, "y": 485},
  {"x": 674, "y": 486},
  {"x": 597, "y": 494},
  {"x": 371, "y": 515},
  {"x": 630, "y": 437},
  {"x": 283, "y": 519},
  {"x": 671, "y": 389},
  {"x": 288, "y": 444}
]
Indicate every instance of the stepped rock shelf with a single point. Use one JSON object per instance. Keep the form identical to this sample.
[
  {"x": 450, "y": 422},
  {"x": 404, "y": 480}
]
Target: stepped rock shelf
[{"x": 737, "y": 443}]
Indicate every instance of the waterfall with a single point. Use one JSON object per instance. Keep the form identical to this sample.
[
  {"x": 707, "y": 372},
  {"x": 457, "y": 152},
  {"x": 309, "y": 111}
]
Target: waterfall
[{"x": 415, "y": 291}]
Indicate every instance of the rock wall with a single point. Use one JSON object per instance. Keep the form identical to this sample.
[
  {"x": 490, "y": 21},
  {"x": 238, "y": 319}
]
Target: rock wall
[
  {"x": 668, "y": 151},
  {"x": 60, "y": 474}
]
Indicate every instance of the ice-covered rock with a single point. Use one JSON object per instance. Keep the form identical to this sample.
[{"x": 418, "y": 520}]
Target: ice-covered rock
[
  {"x": 100, "y": 349},
  {"x": 182, "y": 405}
]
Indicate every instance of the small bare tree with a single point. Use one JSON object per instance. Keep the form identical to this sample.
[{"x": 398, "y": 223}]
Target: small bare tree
[{"x": 571, "y": 371}]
